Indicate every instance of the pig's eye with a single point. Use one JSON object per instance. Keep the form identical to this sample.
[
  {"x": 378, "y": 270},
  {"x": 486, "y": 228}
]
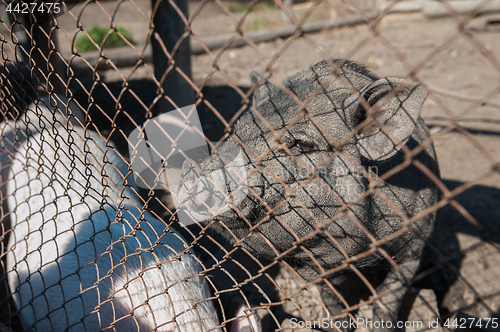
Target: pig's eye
[{"x": 301, "y": 147}]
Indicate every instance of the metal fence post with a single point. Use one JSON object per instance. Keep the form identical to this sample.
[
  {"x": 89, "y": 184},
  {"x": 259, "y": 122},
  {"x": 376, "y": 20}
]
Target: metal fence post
[{"x": 169, "y": 28}]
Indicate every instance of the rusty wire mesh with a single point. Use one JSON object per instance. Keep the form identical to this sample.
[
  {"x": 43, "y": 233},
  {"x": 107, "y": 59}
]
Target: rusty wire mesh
[{"x": 81, "y": 152}]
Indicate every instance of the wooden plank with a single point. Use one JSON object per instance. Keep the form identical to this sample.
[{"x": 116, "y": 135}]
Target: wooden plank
[
  {"x": 434, "y": 9},
  {"x": 122, "y": 57}
]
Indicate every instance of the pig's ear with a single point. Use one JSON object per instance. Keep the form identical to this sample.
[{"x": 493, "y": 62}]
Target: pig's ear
[{"x": 396, "y": 103}]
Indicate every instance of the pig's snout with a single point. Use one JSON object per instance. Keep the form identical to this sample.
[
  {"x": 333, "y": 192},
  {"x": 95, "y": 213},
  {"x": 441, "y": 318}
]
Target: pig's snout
[
  {"x": 192, "y": 203},
  {"x": 205, "y": 194},
  {"x": 200, "y": 196},
  {"x": 212, "y": 188}
]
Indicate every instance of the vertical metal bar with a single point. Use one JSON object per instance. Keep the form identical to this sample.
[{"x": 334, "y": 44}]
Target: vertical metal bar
[{"x": 169, "y": 28}]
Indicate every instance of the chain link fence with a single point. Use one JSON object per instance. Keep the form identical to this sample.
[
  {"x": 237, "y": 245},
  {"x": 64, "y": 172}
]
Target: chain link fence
[{"x": 318, "y": 193}]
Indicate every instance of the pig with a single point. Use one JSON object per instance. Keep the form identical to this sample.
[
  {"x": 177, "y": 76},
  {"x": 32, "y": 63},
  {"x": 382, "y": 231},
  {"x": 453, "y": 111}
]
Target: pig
[
  {"x": 13, "y": 133},
  {"x": 82, "y": 254},
  {"x": 315, "y": 196}
]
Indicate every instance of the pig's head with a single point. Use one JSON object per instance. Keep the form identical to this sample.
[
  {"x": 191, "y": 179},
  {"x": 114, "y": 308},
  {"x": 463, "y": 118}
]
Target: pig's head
[{"x": 305, "y": 169}]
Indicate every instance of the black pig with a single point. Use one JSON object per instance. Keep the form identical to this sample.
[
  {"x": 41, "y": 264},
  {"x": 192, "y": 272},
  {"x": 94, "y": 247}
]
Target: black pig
[{"x": 313, "y": 154}]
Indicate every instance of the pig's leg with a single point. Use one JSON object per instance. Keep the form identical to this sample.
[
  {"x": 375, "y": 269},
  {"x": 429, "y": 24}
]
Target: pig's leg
[{"x": 395, "y": 286}]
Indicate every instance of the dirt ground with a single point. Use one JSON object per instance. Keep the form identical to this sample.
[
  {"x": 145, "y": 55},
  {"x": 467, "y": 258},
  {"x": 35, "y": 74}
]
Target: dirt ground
[{"x": 464, "y": 70}]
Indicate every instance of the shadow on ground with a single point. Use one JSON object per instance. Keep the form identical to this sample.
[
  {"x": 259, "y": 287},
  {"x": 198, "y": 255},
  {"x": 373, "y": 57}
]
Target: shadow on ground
[{"x": 456, "y": 242}]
